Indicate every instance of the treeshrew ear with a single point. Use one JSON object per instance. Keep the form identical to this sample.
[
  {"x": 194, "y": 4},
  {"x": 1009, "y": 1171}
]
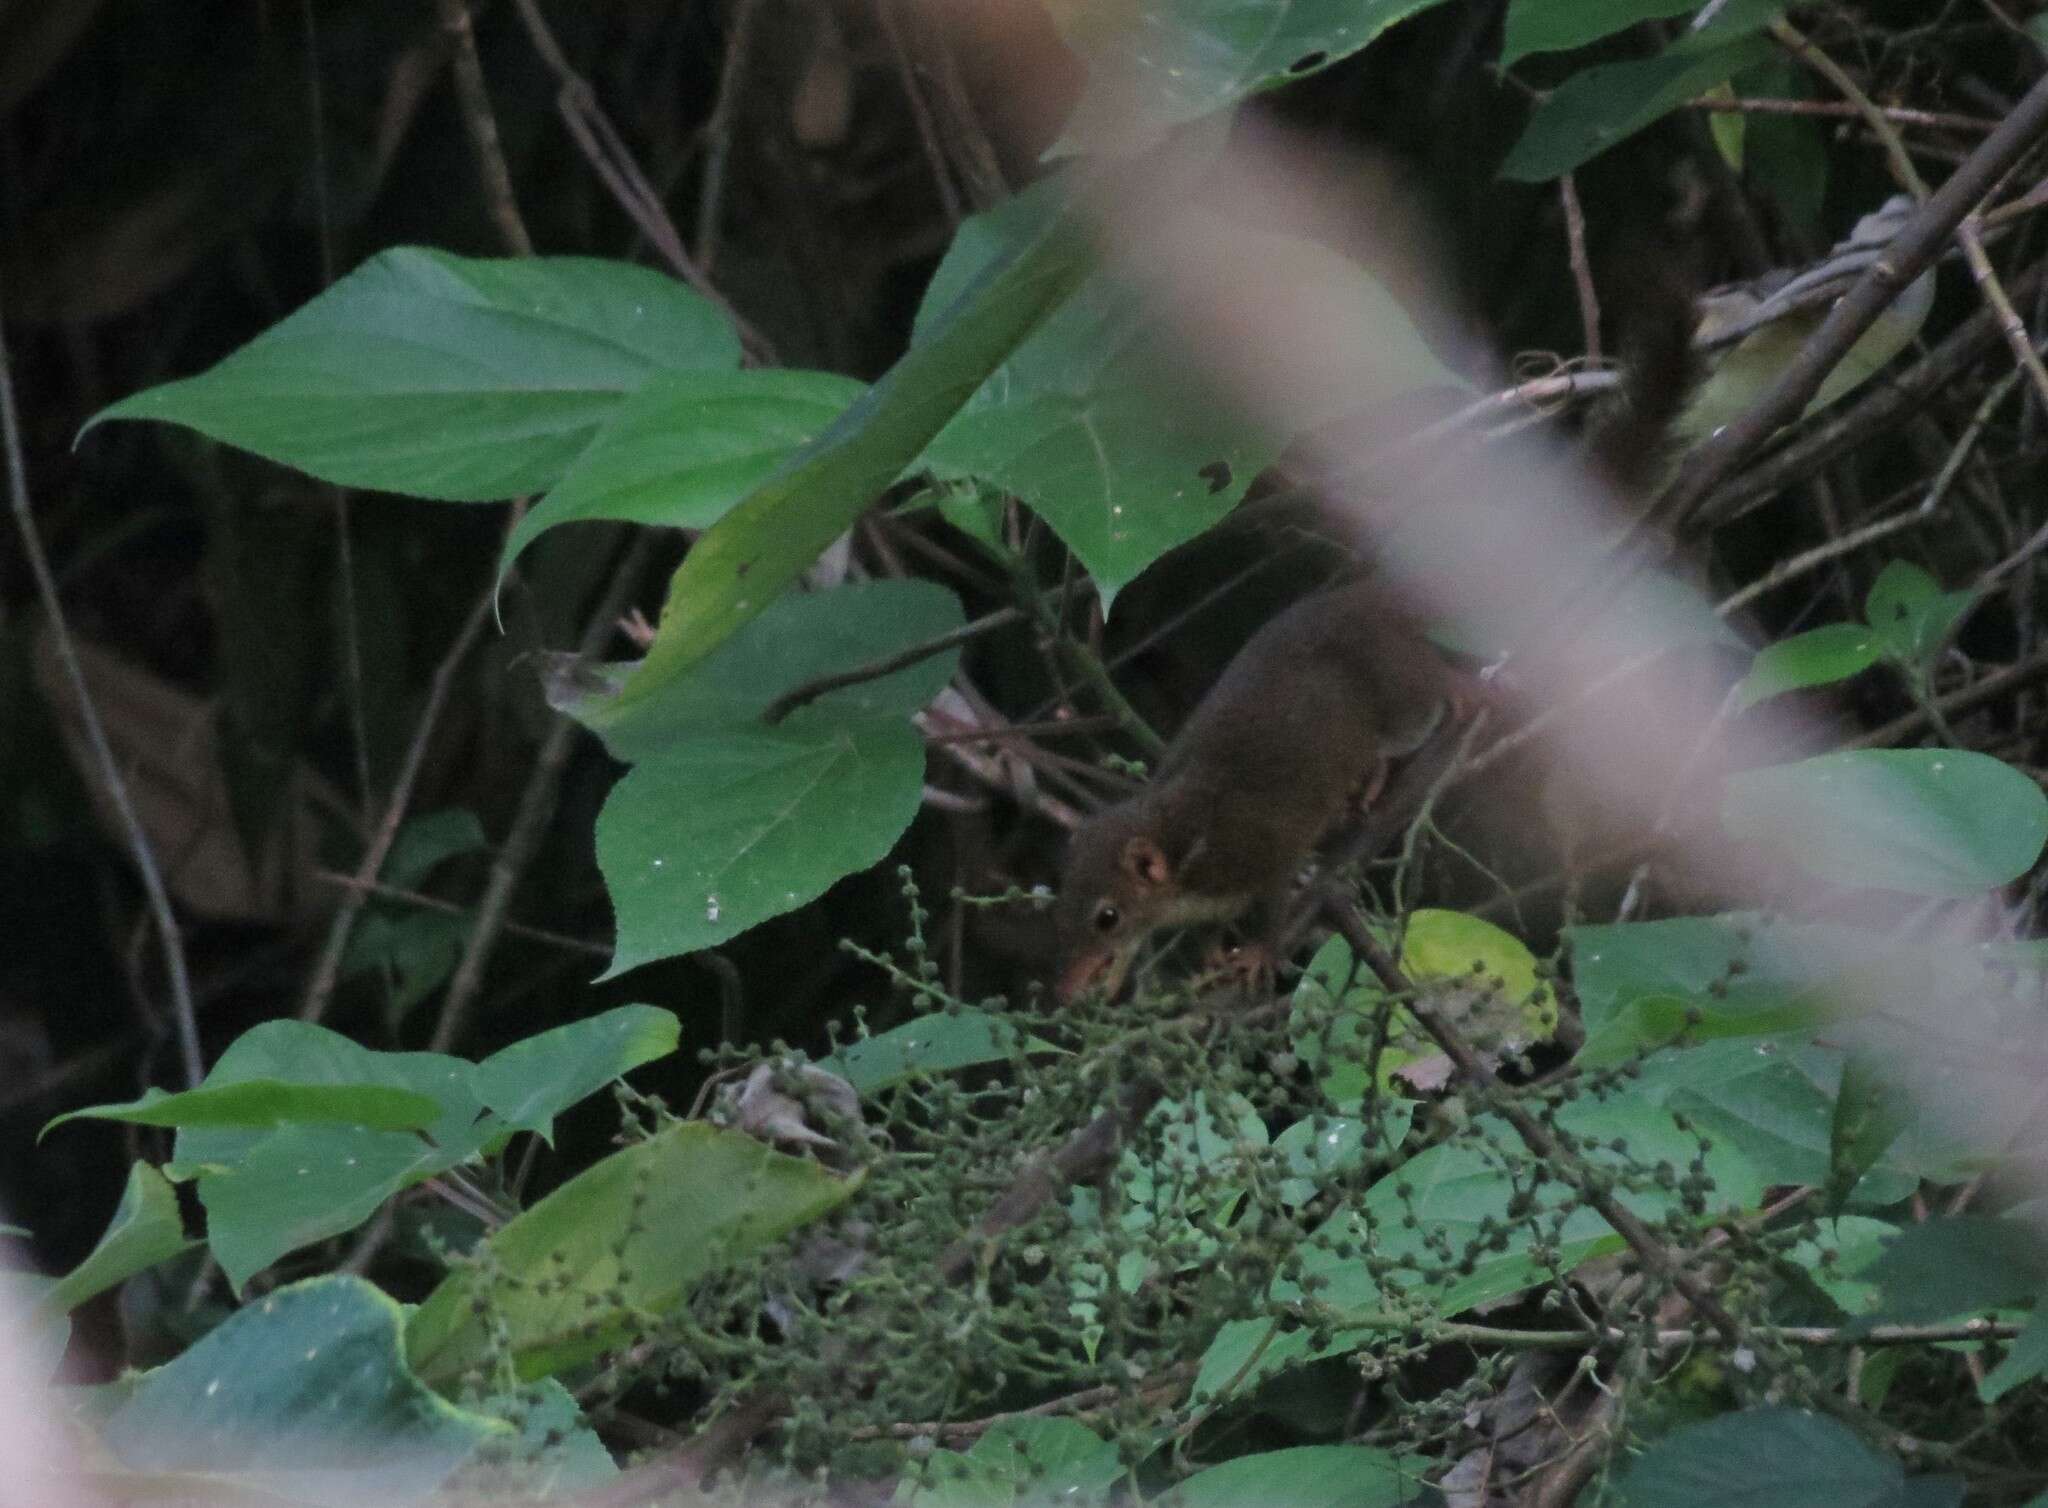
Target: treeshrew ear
[{"x": 1145, "y": 862}]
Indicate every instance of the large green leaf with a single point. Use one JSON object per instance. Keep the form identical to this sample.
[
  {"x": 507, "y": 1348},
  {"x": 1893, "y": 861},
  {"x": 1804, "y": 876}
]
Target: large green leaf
[
  {"x": 1101, "y": 422},
  {"x": 743, "y": 562},
  {"x": 1155, "y": 64},
  {"x": 717, "y": 833},
  {"x": 534, "y": 1080},
  {"x": 800, "y": 637},
  {"x": 1764, "y": 1458},
  {"x": 1593, "y": 110},
  {"x": 624, "y": 1240},
  {"x": 301, "y": 1184},
  {"x": 146, "y": 1229},
  {"x": 1040, "y": 1462},
  {"x": 299, "y": 1053},
  {"x": 1956, "y": 1265},
  {"x": 306, "y": 1396},
  {"x": 448, "y": 377},
  {"x": 1557, "y": 25},
  {"x": 1307, "y": 1476},
  {"x": 1939, "y": 822},
  {"x": 684, "y": 449},
  {"x": 725, "y": 822}
]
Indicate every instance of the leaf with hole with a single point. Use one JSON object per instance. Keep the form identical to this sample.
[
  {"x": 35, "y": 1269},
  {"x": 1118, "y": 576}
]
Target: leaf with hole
[{"x": 1156, "y": 64}]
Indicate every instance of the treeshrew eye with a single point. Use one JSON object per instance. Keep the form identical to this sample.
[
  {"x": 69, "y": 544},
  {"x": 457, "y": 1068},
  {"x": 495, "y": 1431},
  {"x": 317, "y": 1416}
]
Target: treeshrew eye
[{"x": 1106, "y": 918}]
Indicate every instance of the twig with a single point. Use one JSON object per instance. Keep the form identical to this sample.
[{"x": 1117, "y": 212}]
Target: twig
[
  {"x": 1939, "y": 120},
  {"x": 178, "y": 976},
  {"x": 718, "y": 131},
  {"x": 1970, "y": 236},
  {"x": 1086, "y": 1155},
  {"x": 451, "y": 908},
  {"x": 678, "y": 1472},
  {"x": 1582, "y": 268},
  {"x": 920, "y": 112},
  {"x": 1537, "y": 1137},
  {"x": 1800, "y": 46},
  {"x": 483, "y": 128},
  {"x": 874, "y": 670},
  {"x": 613, "y": 162},
  {"x": 530, "y": 819},
  {"x": 2012, "y": 678},
  {"x": 320, "y": 988}
]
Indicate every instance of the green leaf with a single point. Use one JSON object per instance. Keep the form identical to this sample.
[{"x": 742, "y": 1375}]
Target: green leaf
[
  {"x": 1502, "y": 1001},
  {"x": 801, "y": 637},
  {"x": 1156, "y": 64},
  {"x": 313, "y": 1058},
  {"x": 1939, "y": 822},
  {"x": 1595, "y": 109},
  {"x": 448, "y": 377},
  {"x": 721, "y": 832},
  {"x": 1818, "y": 657},
  {"x": 726, "y": 822},
  {"x": 1100, "y": 422},
  {"x": 304, "y": 1395},
  {"x": 683, "y": 450},
  {"x": 1739, "y": 963},
  {"x": 743, "y": 562},
  {"x": 1910, "y": 613},
  {"x": 1956, "y": 1265},
  {"x": 424, "y": 841},
  {"x": 1307, "y": 1476},
  {"x": 301, "y": 1184},
  {"x": 260, "y": 1102},
  {"x": 1762, "y": 1458},
  {"x": 145, "y": 1230},
  {"x": 938, "y": 1043},
  {"x": 1559, "y": 25},
  {"x": 531, "y": 1082},
  {"x": 626, "y": 1239},
  {"x": 1320, "y": 1149}
]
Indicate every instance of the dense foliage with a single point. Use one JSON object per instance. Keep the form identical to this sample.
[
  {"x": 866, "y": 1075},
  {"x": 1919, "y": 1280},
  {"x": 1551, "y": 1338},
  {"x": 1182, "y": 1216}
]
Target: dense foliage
[{"x": 1605, "y": 1146}]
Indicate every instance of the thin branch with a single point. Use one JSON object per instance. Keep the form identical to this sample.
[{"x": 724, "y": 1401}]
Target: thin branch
[
  {"x": 874, "y": 670},
  {"x": 320, "y": 988},
  {"x": 1936, "y": 119},
  {"x": 1582, "y": 267},
  {"x": 176, "y": 973},
  {"x": 451, "y": 908},
  {"x": 1970, "y": 236},
  {"x": 718, "y": 131},
  {"x": 616, "y": 168},
  {"x": 2021, "y": 673},
  {"x": 536, "y": 806},
  {"x": 483, "y": 128}
]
